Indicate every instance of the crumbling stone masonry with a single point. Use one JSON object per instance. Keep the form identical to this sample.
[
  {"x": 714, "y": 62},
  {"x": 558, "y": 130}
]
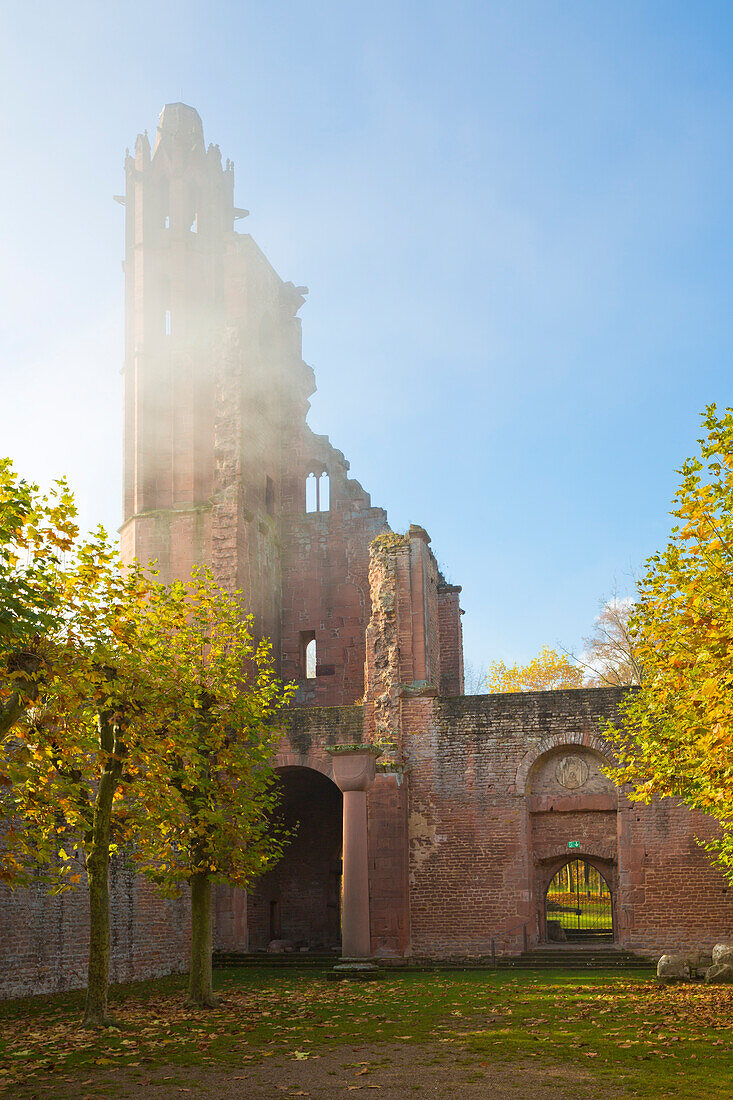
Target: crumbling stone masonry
[{"x": 476, "y": 798}]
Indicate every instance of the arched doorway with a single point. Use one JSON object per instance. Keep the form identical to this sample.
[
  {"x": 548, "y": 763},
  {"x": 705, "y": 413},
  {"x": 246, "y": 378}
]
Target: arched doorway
[
  {"x": 578, "y": 904},
  {"x": 299, "y": 900}
]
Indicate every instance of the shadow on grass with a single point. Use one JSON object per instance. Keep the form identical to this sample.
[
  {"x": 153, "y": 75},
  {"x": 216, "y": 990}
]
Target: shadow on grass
[{"x": 630, "y": 1033}]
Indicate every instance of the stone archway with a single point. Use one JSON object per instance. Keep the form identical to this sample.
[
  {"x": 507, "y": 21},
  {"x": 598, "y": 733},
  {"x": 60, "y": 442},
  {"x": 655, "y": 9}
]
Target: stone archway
[
  {"x": 573, "y": 810},
  {"x": 300, "y": 898},
  {"x": 579, "y": 901}
]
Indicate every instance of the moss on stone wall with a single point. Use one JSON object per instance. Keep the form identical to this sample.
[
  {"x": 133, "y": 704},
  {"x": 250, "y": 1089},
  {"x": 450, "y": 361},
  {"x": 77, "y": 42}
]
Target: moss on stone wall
[{"x": 322, "y": 726}]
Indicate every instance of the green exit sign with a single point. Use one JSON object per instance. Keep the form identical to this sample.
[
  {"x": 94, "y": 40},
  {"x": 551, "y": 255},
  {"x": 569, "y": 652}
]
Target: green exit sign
[{"x": 573, "y": 844}]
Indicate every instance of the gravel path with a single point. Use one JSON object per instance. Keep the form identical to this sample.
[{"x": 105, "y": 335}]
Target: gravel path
[{"x": 390, "y": 1071}]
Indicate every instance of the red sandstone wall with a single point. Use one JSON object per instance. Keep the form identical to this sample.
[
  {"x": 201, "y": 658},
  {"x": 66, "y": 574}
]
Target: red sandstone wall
[
  {"x": 388, "y": 864},
  {"x": 176, "y": 541},
  {"x": 484, "y": 845},
  {"x": 451, "y": 639},
  {"x": 468, "y": 833},
  {"x": 325, "y": 589},
  {"x": 230, "y": 919},
  {"x": 308, "y": 866},
  {"x": 671, "y": 897},
  {"x": 45, "y": 940},
  {"x": 325, "y": 572}
]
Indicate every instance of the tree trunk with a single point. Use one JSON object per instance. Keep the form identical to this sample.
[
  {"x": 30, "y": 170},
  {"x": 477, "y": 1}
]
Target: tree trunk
[
  {"x": 95, "y": 1009},
  {"x": 200, "y": 988},
  {"x": 26, "y": 690}
]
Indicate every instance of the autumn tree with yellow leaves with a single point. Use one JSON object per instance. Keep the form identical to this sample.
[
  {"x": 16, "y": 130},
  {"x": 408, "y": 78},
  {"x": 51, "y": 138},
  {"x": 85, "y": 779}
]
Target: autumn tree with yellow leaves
[
  {"x": 68, "y": 618},
  {"x": 62, "y": 762},
  {"x": 37, "y": 531},
  {"x": 133, "y": 715},
  {"x": 678, "y": 726},
  {"x": 157, "y": 740},
  {"x": 204, "y": 791},
  {"x": 548, "y": 671}
]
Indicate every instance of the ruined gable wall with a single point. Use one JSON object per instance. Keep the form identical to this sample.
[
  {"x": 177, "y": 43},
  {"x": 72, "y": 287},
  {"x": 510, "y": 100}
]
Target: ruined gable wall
[
  {"x": 325, "y": 574},
  {"x": 261, "y": 395},
  {"x": 176, "y": 203},
  {"x": 484, "y": 842}
]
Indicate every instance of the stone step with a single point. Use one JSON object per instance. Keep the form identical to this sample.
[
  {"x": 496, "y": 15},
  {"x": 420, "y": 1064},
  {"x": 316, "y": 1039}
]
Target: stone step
[
  {"x": 577, "y": 958},
  {"x": 537, "y": 959},
  {"x": 290, "y": 958}
]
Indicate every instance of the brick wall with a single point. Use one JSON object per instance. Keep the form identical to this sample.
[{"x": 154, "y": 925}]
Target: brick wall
[
  {"x": 670, "y": 895},
  {"x": 468, "y": 832},
  {"x": 388, "y": 865},
  {"x": 489, "y": 823},
  {"x": 307, "y": 881},
  {"x": 451, "y": 639},
  {"x": 325, "y": 589},
  {"x": 45, "y": 940},
  {"x": 464, "y": 838}
]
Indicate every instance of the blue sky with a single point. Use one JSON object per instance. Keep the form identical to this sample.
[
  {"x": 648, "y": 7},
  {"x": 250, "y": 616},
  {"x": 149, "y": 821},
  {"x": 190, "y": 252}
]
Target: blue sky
[{"x": 514, "y": 221}]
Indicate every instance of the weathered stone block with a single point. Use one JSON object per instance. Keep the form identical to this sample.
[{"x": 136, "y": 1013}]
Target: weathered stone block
[{"x": 673, "y": 968}]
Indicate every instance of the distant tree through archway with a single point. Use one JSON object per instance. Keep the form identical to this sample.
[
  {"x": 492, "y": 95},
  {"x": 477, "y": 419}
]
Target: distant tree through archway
[{"x": 579, "y": 901}]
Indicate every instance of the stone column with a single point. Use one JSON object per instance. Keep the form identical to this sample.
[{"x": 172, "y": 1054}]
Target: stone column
[{"x": 353, "y": 772}]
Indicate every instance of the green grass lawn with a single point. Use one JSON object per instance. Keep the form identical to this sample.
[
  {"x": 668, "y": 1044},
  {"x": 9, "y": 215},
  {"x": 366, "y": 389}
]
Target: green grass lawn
[{"x": 632, "y": 1034}]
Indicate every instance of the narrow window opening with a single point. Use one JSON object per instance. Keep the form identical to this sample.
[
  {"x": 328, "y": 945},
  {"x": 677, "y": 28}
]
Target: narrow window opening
[
  {"x": 167, "y": 322},
  {"x": 270, "y": 496},
  {"x": 324, "y": 493},
  {"x": 195, "y": 223},
  {"x": 310, "y": 660},
  {"x": 317, "y": 492},
  {"x": 167, "y": 221},
  {"x": 311, "y": 493},
  {"x": 308, "y": 654}
]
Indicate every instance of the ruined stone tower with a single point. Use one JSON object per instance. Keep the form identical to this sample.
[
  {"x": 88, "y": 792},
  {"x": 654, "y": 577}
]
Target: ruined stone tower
[{"x": 220, "y": 465}]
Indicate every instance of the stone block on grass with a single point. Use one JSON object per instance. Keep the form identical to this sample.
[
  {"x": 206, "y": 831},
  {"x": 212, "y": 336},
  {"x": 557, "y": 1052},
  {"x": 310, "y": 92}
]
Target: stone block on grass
[
  {"x": 720, "y": 974},
  {"x": 673, "y": 968}
]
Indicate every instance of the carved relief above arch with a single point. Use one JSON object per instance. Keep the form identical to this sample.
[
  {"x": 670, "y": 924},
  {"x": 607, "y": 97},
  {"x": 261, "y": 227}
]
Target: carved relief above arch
[{"x": 573, "y": 741}]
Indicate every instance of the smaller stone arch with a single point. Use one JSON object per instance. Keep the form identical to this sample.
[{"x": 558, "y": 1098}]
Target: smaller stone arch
[{"x": 606, "y": 868}]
